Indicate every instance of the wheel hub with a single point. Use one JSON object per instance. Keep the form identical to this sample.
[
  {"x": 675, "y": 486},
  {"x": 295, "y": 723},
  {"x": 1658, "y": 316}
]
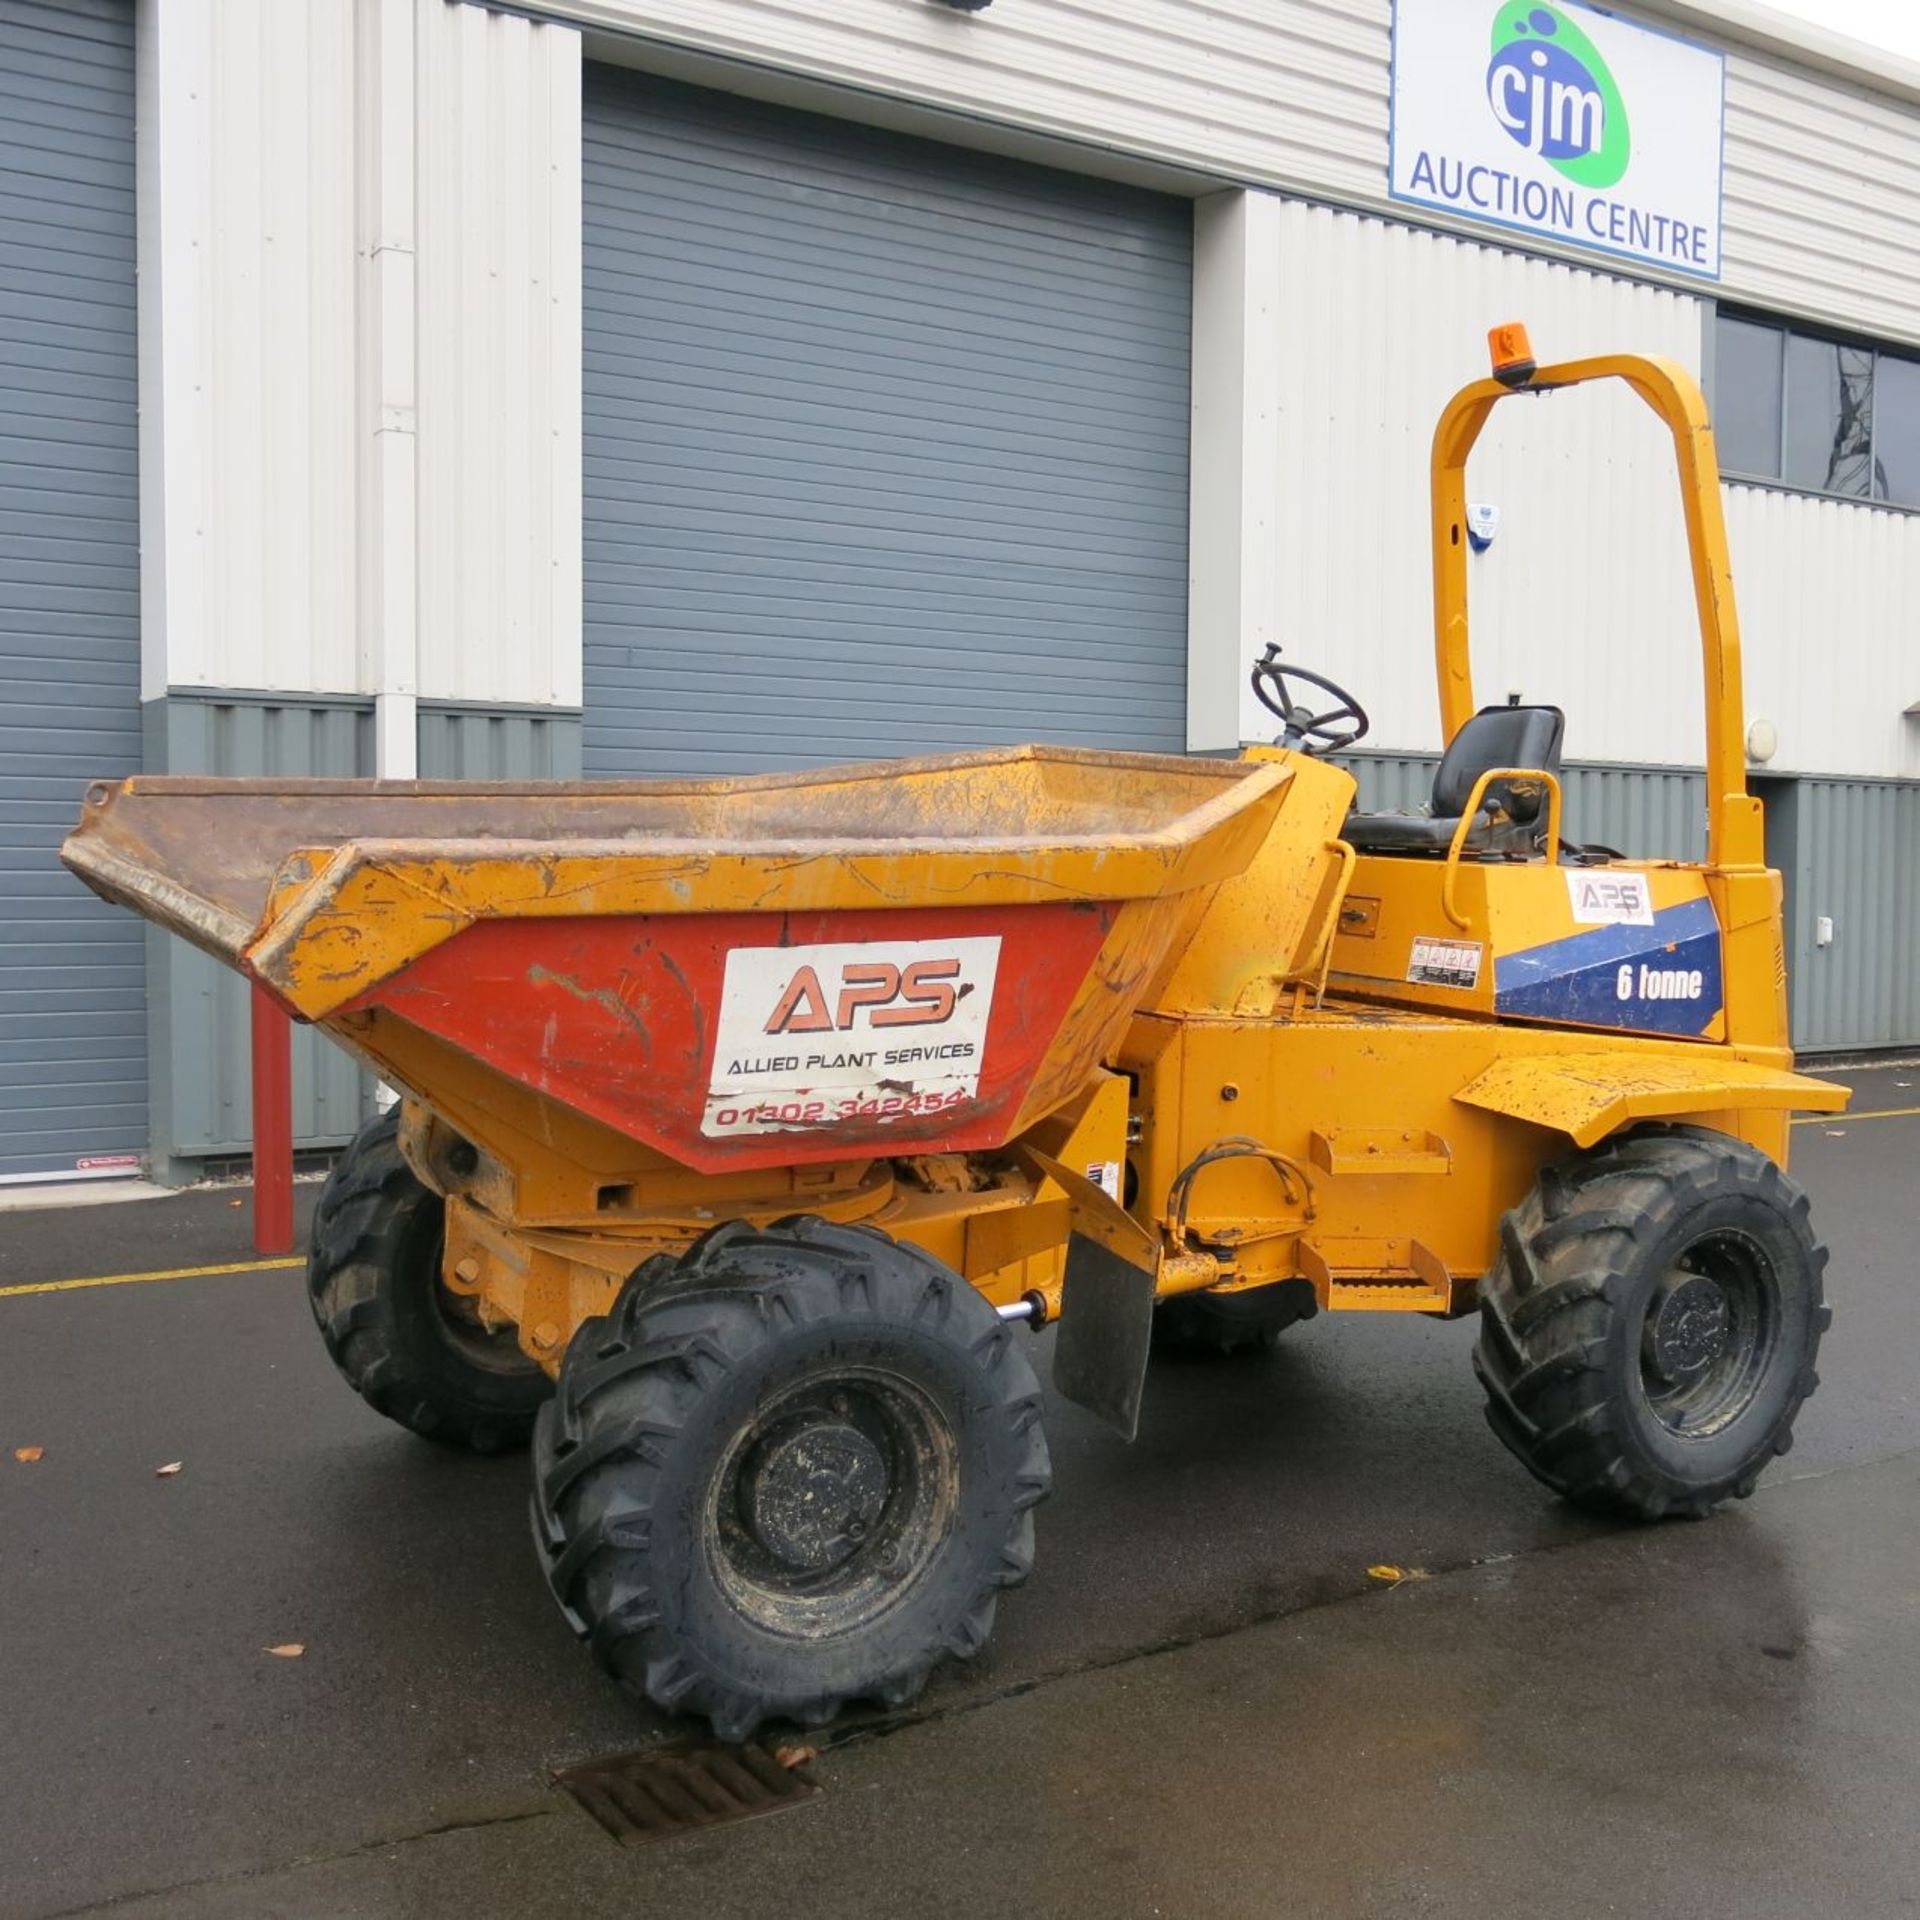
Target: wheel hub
[
  {"x": 1688, "y": 1328},
  {"x": 811, "y": 1495}
]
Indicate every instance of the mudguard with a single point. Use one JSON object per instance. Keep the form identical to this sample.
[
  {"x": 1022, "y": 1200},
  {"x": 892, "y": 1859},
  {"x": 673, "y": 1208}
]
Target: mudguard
[{"x": 1590, "y": 1095}]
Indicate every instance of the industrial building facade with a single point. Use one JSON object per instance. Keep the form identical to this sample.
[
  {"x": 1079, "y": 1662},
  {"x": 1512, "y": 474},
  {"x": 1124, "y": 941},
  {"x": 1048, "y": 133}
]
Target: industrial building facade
[{"x": 632, "y": 387}]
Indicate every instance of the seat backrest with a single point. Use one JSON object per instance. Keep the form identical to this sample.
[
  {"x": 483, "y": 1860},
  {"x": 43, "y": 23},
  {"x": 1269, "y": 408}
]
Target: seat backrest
[{"x": 1498, "y": 737}]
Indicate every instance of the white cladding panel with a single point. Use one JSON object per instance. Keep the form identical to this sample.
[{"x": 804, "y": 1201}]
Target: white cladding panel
[
  {"x": 1584, "y": 599},
  {"x": 1243, "y": 89},
  {"x": 1287, "y": 93},
  {"x": 1827, "y": 595},
  {"x": 247, "y": 324},
  {"x": 1822, "y": 180},
  {"x": 289, "y": 166},
  {"x": 499, "y": 358}
]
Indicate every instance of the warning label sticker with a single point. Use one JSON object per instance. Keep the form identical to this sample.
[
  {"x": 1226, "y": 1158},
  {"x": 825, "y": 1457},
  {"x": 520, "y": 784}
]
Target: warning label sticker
[
  {"x": 820, "y": 1036},
  {"x": 1444, "y": 963}
]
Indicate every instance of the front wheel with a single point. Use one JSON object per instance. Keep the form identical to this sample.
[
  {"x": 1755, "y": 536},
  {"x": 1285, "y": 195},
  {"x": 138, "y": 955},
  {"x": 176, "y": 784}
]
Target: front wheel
[
  {"x": 793, "y": 1468},
  {"x": 1649, "y": 1331}
]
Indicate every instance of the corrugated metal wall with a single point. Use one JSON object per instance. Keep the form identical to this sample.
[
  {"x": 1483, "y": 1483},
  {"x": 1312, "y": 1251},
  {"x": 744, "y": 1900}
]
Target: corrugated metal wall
[
  {"x": 1294, "y": 94},
  {"x": 1643, "y": 812},
  {"x": 277, "y": 292},
  {"x": 1858, "y": 863},
  {"x": 466, "y": 743},
  {"x": 1821, "y": 182},
  {"x": 499, "y": 361},
  {"x": 202, "y": 1081},
  {"x": 1828, "y": 595},
  {"x": 1584, "y": 600},
  {"x": 248, "y": 269}
]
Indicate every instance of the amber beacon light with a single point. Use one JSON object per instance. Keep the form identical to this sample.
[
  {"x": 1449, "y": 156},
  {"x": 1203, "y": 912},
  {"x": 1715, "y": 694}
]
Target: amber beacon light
[{"x": 1512, "y": 351}]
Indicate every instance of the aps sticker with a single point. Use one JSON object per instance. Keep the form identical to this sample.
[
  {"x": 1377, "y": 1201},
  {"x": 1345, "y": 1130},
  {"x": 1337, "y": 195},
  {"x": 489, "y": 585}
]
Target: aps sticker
[
  {"x": 1445, "y": 963},
  {"x": 850, "y": 1032},
  {"x": 1605, "y": 897}
]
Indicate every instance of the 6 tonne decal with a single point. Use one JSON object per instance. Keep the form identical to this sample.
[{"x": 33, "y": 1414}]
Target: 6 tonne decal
[
  {"x": 1641, "y": 969},
  {"x": 814, "y": 1036}
]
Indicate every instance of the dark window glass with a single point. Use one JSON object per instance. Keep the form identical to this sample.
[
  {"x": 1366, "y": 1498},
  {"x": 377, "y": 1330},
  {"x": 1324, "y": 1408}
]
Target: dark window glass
[
  {"x": 1747, "y": 384},
  {"x": 1829, "y": 416},
  {"x": 1896, "y": 431}
]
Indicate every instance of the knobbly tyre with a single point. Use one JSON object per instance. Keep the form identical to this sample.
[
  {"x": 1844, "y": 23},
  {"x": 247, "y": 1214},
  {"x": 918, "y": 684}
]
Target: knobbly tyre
[{"x": 745, "y": 1122}]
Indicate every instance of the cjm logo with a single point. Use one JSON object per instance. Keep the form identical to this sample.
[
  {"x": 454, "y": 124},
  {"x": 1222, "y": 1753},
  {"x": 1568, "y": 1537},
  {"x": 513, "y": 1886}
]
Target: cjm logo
[
  {"x": 1550, "y": 89},
  {"x": 876, "y": 994}
]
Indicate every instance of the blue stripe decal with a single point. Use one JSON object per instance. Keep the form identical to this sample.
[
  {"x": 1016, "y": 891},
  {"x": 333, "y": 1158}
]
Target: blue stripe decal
[{"x": 1659, "y": 979}]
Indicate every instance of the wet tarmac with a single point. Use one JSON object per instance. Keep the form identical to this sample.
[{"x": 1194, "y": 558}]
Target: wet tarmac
[{"x": 1200, "y": 1705}]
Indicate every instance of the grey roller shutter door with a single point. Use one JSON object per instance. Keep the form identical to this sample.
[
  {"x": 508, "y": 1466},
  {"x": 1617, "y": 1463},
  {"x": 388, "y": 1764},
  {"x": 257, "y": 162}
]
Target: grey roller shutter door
[
  {"x": 72, "y": 994},
  {"x": 886, "y": 443}
]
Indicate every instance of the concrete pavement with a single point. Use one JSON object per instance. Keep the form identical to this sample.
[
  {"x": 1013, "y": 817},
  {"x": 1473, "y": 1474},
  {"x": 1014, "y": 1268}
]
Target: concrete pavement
[{"x": 1199, "y": 1705}]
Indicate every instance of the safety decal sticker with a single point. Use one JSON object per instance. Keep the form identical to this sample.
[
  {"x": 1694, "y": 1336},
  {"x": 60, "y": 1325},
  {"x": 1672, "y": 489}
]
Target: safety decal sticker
[
  {"x": 1606, "y": 897},
  {"x": 815, "y": 1037},
  {"x": 1445, "y": 963},
  {"x": 1105, "y": 1174}
]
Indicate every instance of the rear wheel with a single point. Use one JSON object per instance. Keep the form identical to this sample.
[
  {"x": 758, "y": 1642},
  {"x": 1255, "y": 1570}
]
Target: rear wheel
[
  {"x": 1649, "y": 1331},
  {"x": 410, "y": 1347},
  {"x": 1250, "y": 1320},
  {"x": 793, "y": 1468}
]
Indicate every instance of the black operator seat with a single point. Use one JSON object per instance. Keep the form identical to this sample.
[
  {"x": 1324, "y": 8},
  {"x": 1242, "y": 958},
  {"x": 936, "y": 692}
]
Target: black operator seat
[{"x": 1512, "y": 819}]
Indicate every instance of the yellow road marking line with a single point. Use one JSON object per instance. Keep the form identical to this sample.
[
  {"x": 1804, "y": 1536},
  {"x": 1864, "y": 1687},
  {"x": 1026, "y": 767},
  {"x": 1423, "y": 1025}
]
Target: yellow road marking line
[
  {"x": 1842, "y": 1119},
  {"x": 165, "y": 1273}
]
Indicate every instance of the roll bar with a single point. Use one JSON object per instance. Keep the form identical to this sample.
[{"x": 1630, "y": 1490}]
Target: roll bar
[{"x": 1735, "y": 836}]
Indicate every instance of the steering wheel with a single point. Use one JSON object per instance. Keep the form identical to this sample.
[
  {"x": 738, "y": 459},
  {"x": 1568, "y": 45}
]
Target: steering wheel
[{"x": 1304, "y": 729}]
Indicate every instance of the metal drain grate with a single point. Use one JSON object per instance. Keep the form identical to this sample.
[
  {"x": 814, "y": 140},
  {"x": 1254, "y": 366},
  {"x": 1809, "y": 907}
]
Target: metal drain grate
[{"x": 639, "y": 1797}]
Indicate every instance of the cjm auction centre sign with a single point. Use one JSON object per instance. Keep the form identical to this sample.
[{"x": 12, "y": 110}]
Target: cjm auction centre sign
[{"x": 1561, "y": 120}]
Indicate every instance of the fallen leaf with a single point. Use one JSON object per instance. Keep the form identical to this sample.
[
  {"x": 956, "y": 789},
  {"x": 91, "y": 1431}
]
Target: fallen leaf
[
  {"x": 1396, "y": 1576},
  {"x": 292, "y": 1650},
  {"x": 28, "y": 1454},
  {"x": 236, "y": 1203},
  {"x": 169, "y": 1470},
  {"x": 795, "y": 1756}
]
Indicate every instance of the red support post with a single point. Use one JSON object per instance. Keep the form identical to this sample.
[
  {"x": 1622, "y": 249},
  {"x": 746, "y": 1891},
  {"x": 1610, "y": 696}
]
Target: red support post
[{"x": 272, "y": 1126}]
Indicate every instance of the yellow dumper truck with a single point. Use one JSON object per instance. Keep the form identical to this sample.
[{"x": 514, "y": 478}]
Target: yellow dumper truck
[{"x": 747, "y": 1126}]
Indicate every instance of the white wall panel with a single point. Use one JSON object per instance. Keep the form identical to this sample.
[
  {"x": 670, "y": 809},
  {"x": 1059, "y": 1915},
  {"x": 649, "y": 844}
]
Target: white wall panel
[
  {"x": 1246, "y": 89},
  {"x": 1584, "y": 599},
  {"x": 1821, "y": 168},
  {"x": 499, "y": 359},
  {"x": 1827, "y": 597},
  {"x": 1822, "y": 180},
  {"x": 360, "y": 351},
  {"x": 247, "y": 322}
]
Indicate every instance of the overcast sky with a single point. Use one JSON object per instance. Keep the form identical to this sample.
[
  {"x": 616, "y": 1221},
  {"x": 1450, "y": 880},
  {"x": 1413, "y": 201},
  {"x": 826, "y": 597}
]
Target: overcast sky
[{"x": 1882, "y": 23}]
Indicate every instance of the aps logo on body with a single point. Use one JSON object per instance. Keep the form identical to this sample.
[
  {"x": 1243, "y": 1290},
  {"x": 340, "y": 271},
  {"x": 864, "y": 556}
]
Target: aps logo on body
[
  {"x": 813, "y": 1036},
  {"x": 1560, "y": 119}
]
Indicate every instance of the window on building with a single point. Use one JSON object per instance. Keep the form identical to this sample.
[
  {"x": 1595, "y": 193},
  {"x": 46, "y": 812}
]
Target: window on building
[{"x": 1831, "y": 416}]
